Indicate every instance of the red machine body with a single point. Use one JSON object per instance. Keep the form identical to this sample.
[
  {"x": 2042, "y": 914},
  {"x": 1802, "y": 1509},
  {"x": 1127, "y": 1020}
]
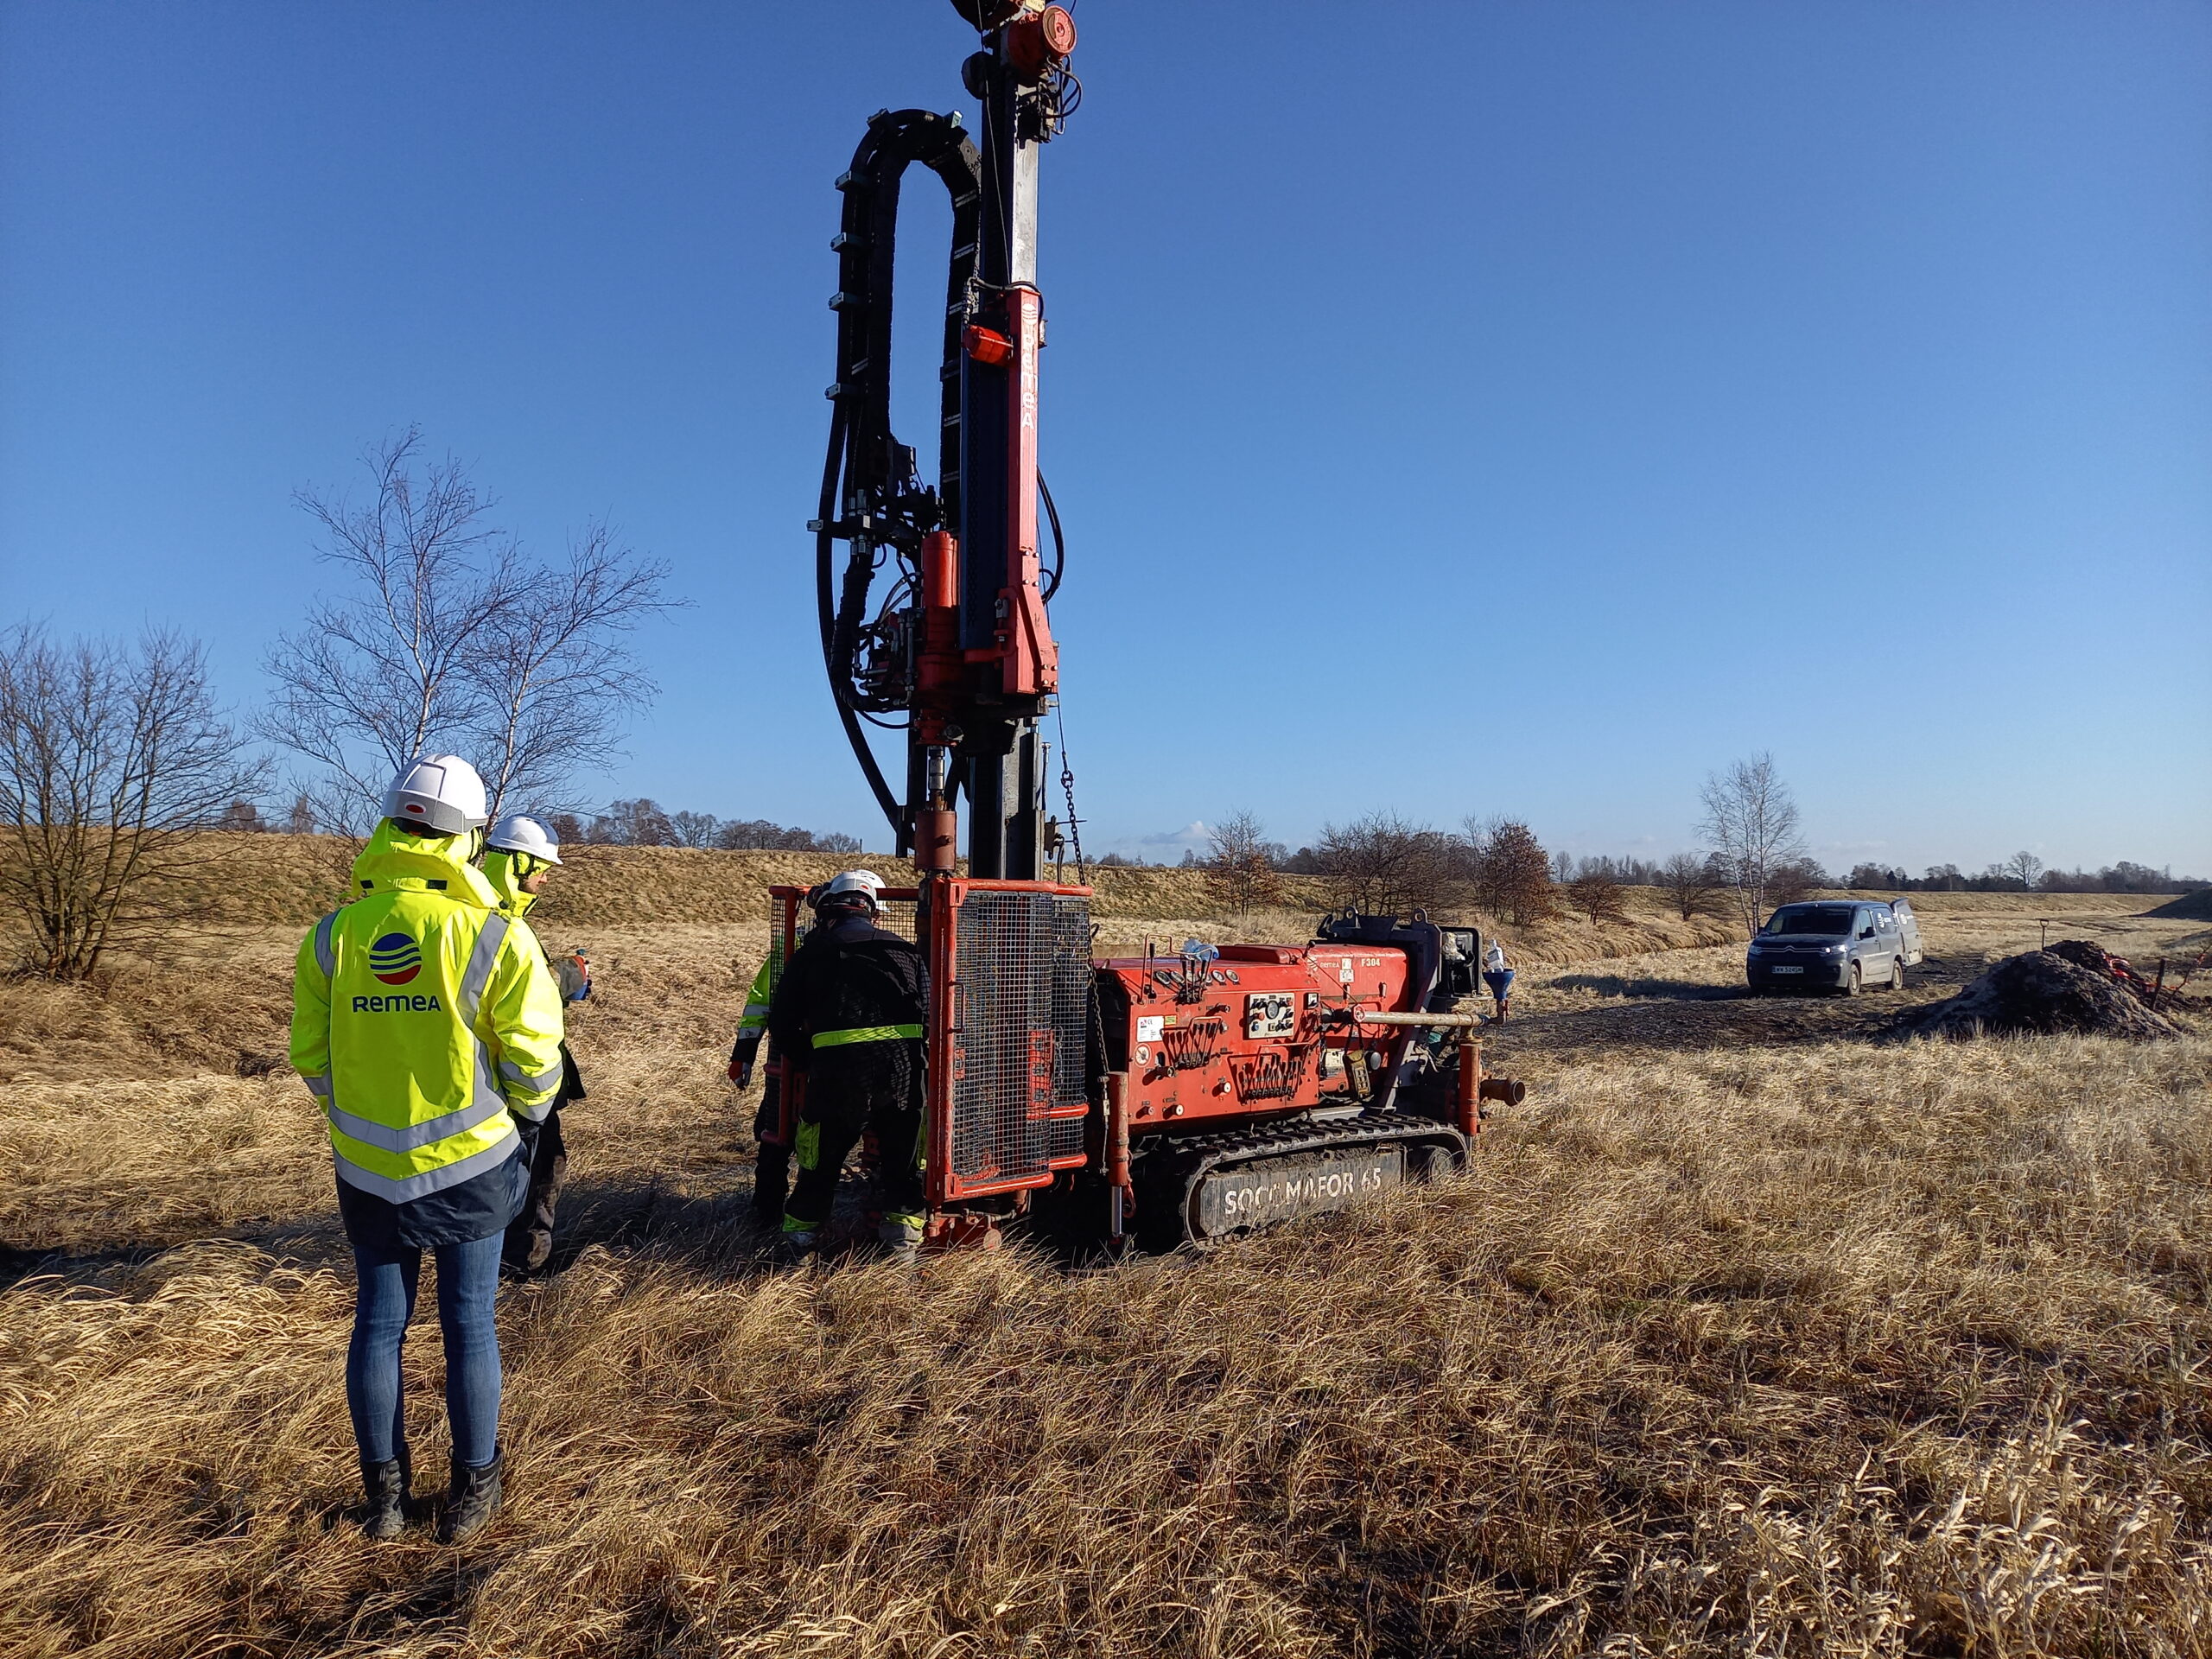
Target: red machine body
[{"x": 1259, "y": 1028}]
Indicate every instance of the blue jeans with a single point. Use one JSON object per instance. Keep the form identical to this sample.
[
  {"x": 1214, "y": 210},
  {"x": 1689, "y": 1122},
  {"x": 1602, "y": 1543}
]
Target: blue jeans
[{"x": 468, "y": 1279}]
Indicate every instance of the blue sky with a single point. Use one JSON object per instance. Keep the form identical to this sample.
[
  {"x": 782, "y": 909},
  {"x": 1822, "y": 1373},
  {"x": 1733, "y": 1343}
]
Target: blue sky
[{"x": 1501, "y": 408}]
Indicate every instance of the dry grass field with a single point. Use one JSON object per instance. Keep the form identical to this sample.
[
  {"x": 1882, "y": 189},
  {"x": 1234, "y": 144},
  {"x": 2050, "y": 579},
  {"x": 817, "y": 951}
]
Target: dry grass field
[{"x": 1746, "y": 1334}]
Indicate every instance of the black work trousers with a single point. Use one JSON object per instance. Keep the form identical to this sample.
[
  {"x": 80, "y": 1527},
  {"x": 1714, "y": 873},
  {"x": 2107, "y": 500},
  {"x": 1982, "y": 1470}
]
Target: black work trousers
[
  {"x": 850, "y": 1089},
  {"x": 528, "y": 1244},
  {"x": 772, "y": 1168}
]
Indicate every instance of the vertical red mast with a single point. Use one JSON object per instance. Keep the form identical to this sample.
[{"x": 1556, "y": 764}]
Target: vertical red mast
[
  {"x": 1005, "y": 641},
  {"x": 960, "y": 644}
]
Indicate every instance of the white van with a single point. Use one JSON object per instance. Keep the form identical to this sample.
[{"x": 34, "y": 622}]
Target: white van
[{"x": 1908, "y": 929}]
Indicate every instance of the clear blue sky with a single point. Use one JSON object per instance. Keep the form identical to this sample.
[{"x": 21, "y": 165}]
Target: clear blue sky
[{"x": 1518, "y": 408}]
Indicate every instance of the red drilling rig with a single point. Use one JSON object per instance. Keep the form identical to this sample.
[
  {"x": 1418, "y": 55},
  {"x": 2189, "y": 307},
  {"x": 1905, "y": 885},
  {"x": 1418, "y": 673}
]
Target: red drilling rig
[{"x": 1176, "y": 1099}]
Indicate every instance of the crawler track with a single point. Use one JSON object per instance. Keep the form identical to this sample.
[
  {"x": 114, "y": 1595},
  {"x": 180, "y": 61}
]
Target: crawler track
[{"x": 1169, "y": 1175}]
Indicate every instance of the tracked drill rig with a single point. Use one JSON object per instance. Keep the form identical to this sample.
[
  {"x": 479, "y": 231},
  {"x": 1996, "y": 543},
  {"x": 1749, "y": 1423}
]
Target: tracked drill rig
[{"x": 1175, "y": 1099}]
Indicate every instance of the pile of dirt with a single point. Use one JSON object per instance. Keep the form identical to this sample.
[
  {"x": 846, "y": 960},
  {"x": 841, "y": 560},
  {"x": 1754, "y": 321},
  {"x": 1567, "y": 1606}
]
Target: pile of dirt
[
  {"x": 2189, "y": 907},
  {"x": 2043, "y": 991},
  {"x": 2084, "y": 954}
]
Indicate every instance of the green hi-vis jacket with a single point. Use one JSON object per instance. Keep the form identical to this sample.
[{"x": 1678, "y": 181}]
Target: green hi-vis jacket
[{"x": 424, "y": 1018}]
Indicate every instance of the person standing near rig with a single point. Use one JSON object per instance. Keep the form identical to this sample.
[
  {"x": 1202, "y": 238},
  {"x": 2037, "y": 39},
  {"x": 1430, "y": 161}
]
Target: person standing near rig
[
  {"x": 425, "y": 1021},
  {"x": 848, "y": 1007}
]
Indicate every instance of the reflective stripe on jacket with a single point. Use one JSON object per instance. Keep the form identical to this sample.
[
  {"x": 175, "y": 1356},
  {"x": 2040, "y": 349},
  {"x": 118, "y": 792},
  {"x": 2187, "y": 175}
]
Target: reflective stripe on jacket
[
  {"x": 753, "y": 1023},
  {"x": 865, "y": 1034},
  {"x": 754, "y": 1019},
  {"x": 847, "y": 977},
  {"x": 425, "y": 1019}
]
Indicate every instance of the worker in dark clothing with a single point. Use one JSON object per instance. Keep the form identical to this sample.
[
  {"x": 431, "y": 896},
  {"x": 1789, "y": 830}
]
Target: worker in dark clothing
[
  {"x": 520, "y": 853},
  {"x": 849, "y": 1009}
]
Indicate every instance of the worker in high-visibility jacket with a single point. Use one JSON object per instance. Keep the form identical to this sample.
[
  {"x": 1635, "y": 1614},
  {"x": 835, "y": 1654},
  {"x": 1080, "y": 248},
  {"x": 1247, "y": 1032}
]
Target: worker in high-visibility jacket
[
  {"x": 850, "y": 1008},
  {"x": 425, "y": 1021},
  {"x": 519, "y": 854},
  {"x": 772, "y": 1159}
]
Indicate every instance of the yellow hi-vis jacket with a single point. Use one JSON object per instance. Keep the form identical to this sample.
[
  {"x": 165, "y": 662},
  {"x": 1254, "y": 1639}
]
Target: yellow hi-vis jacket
[
  {"x": 754, "y": 1022},
  {"x": 499, "y": 871},
  {"x": 424, "y": 1017}
]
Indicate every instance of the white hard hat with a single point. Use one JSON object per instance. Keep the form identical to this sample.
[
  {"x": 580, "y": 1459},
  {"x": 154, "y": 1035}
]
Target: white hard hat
[
  {"x": 518, "y": 832},
  {"x": 440, "y": 793},
  {"x": 867, "y": 883}
]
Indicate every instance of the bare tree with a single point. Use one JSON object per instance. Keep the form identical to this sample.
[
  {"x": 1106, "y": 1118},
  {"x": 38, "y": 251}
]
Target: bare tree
[
  {"x": 1690, "y": 882},
  {"x": 110, "y": 758},
  {"x": 695, "y": 829},
  {"x": 1794, "y": 879},
  {"x": 1596, "y": 895},
  {"x": 1381, "y": 864},
  {"x": 1474, "y": 838},
  {"x": 1241, "y": 871},
  {"x": 760, "y": 834},
  {"x": 556, "y": 674},
  {"x": 1751, "y": 823},
  {"x": 453, "y": 639},
  {"x": 632, "y": 823},
  {"x": 374, "y": 679},
  {"x": 2024, "y": 867}
]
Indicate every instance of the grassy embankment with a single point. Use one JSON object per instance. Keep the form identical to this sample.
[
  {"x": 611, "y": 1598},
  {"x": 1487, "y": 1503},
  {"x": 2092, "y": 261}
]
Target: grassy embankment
[{"x": 1830, "y": 1349}]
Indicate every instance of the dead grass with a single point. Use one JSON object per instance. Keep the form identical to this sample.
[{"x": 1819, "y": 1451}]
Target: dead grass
[{"x": 1832, "y": 1350}]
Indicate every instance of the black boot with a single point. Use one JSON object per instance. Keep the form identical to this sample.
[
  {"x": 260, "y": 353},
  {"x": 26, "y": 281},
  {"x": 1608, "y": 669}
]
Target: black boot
[
  {"x": 386, "y": 1486},
  {"x": 770, "y": 1185},
  {"x": 474, "y": 1497}
]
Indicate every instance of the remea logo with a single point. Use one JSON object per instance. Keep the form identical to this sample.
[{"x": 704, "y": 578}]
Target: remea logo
[{"x": 395, "y": 958}]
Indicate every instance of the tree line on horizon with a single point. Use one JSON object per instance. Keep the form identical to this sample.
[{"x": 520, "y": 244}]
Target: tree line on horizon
[
  {"x": 446, "y": 636},
  {"x": 1753, "y": 860},
  {"x": 640, "y": 822}
]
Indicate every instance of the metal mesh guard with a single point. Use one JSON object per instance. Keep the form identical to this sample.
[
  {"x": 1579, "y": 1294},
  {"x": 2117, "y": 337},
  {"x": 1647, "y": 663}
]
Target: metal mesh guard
[{"x": 1022, "y": 963}]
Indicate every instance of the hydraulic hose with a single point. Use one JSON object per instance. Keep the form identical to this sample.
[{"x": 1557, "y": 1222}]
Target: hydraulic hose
[{"x": 871, "y": 493}]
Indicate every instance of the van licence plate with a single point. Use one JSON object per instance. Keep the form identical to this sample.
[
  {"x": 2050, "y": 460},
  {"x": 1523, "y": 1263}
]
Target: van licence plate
[{"x": 1789, "y": 970}]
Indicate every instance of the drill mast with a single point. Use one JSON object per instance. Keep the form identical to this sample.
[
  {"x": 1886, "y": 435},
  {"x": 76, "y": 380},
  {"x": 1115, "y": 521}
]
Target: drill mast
[{"x": 959, "y": 644}]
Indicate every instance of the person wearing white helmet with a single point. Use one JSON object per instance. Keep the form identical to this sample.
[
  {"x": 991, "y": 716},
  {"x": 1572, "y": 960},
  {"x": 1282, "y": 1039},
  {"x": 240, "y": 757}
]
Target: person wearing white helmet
[
  {"x": 849, "y": 1009},
  {"x": 436, "y": 794},
  {"x": 519, "y": 853},
  {"x": 425, "y": 1021}
]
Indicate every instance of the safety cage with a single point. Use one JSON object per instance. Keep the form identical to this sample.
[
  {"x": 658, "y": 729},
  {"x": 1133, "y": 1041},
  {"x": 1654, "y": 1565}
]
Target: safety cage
[{"x": 1010, "y": 1040}]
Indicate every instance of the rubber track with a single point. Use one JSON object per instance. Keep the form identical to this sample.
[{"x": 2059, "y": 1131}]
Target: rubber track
[{"x": 1200, "y": 1155}]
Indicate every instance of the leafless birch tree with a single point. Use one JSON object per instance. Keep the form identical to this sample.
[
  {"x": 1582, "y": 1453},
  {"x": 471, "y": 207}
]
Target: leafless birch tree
[
  {"x": 113, "y": 761},
  {"x": 1752, "y": 825},
  {"x": 453, "y": 639}
]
